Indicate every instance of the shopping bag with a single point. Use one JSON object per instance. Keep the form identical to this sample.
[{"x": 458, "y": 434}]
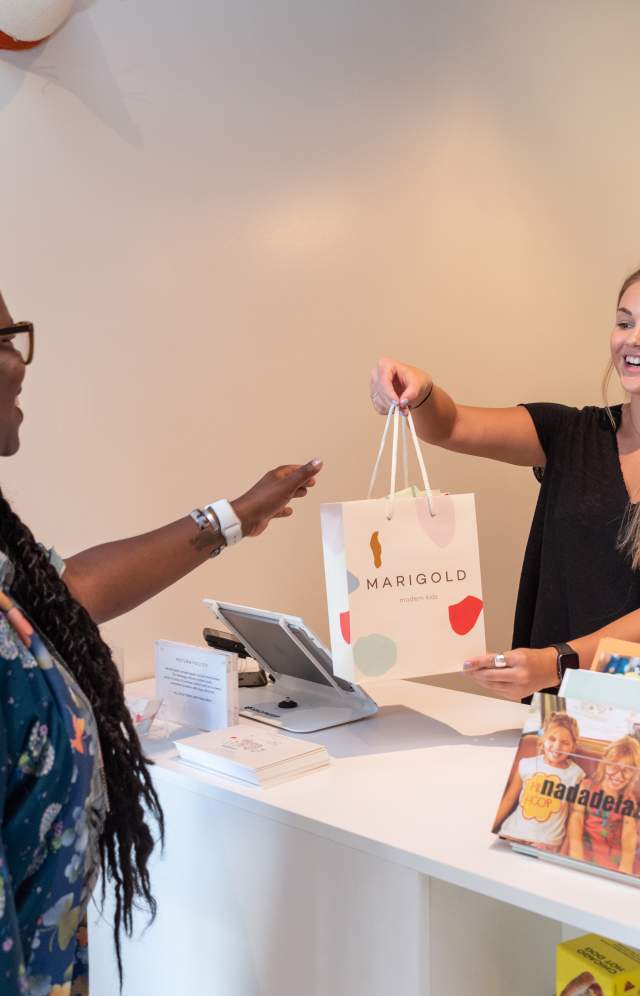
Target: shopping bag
[{"x": 402, "y": 574}]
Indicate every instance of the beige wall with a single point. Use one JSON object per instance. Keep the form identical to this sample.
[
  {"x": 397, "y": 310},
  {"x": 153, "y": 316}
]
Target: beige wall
[{"x": 219, "y": 214}]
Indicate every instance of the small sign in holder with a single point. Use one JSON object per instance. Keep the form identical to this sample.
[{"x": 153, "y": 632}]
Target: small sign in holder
[{"x": 199, "y": 687}]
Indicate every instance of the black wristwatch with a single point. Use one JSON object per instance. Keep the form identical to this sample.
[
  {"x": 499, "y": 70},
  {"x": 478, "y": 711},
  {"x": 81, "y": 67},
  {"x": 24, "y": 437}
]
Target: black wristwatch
[{"x": 567, "y": 658}]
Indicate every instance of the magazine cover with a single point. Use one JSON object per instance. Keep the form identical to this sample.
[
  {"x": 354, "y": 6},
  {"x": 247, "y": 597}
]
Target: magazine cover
[{"x": 574, "y": 786}]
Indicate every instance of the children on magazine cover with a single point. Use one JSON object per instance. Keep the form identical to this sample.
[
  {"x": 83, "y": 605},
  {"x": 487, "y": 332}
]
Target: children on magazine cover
[
  {"x": 603, "y": 833},
  {"x": 579, "y": 795},
  {"x": 540, "y": 818}
]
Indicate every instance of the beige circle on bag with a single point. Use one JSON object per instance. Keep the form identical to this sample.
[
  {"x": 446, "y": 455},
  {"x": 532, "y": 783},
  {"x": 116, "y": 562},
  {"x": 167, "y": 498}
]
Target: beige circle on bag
[{"x": 25, "y": 23}]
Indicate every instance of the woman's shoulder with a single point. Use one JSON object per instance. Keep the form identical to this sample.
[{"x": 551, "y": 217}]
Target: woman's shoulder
[
  {"x": 551, "y": 415},
  {"x": 566, "y": 432}
]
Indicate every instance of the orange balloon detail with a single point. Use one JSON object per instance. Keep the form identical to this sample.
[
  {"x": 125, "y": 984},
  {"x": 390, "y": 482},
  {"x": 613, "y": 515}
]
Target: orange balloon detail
[{"x": 14, "y": 44}]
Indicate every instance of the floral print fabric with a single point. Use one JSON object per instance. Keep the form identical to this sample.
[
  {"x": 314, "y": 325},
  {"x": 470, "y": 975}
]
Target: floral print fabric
[{"x": 52, "y": 806}]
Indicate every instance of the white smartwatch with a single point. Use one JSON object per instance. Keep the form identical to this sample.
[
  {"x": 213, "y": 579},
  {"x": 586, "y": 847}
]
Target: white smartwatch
[{"x": 230, "y": 525}]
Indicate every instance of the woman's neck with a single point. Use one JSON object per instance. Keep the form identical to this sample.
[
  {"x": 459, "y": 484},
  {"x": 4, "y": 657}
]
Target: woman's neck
[{"x": 631, "y": 416}]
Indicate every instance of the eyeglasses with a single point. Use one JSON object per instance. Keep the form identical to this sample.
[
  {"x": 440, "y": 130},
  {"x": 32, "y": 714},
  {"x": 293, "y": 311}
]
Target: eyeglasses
[
  {"x": 615, "y": 768},
  {"x": 20, "y": 336}
]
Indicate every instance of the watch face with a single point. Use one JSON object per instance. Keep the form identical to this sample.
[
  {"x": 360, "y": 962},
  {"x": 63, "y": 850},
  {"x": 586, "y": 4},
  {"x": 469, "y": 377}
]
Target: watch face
[{"x": 568, "y": 660}]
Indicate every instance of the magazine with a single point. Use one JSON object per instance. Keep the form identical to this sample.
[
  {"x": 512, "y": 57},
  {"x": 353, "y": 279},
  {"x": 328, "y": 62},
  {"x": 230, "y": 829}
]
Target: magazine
[{"x": 573, "y": 793}]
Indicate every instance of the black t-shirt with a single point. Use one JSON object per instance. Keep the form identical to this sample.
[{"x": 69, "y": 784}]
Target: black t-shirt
[{"x": 574, "y": 579}]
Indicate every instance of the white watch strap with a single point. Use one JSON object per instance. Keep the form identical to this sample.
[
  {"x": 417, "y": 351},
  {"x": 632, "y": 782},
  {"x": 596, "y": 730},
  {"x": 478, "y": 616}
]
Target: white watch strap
[{"x": 229, "y": 522}]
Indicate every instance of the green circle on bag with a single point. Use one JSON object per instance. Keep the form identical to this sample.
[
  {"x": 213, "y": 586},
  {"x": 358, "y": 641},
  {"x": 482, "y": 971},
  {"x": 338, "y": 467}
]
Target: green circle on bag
[{"x": 374, "y": 654}]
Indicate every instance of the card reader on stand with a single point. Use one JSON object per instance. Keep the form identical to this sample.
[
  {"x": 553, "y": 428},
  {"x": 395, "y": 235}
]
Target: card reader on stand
[
  {"x": 304, "y": 694},
  {"x": 253, "y": 678}
]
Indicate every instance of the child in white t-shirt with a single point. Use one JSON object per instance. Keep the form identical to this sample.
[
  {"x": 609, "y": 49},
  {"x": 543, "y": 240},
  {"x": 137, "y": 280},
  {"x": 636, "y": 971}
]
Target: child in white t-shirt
[{"x": 533, "y": 808}]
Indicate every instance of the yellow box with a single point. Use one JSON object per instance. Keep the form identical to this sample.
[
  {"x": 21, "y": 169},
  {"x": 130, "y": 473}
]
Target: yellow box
[{"x": 594, "y": 966}]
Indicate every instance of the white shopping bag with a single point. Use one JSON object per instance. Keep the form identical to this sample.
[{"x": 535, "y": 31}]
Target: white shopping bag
[{"x": 403, "y": 579}]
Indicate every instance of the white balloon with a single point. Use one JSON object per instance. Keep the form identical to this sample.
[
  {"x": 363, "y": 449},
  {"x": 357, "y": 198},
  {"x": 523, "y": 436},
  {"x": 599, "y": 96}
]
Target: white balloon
[{"x": 31, "y": 20}]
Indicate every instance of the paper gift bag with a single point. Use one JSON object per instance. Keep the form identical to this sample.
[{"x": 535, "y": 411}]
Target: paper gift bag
[{"x": 403, "y": 579}]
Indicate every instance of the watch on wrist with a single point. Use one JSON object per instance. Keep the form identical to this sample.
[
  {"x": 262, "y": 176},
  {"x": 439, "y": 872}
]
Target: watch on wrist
[
  {"x": 230, "y": 525},
  {"x": 204, "y": 519},
  {"x": 567, "y": 658},
  {"x": 200, "y": 519}
]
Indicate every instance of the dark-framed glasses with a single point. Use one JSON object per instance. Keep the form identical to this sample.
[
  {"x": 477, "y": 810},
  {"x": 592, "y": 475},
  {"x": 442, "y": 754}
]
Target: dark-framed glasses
[{"x": 20, "y": 336}]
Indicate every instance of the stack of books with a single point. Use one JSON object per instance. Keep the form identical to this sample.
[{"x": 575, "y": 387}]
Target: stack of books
[{"x": 249, "y": 754}]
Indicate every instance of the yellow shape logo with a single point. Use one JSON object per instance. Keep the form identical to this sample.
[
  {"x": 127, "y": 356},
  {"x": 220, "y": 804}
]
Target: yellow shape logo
[{"x": 537, "y": 805}]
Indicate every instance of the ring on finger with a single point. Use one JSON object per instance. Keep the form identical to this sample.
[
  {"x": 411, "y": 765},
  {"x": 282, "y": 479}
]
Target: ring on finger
[{"x": 500, "y": 661}]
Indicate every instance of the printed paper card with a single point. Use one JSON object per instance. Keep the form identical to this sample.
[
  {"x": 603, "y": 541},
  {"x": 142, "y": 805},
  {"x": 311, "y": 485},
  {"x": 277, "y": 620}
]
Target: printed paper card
[
  {"x": 199, "y": 686},
  {"x": 600, "y": 689}
]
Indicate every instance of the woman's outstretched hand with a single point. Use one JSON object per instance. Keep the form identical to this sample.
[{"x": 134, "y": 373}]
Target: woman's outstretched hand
[
  {"x": 270, "y": 497},
  {"x": 392, "y": 381},
  {"x": 526, "y": 672}
]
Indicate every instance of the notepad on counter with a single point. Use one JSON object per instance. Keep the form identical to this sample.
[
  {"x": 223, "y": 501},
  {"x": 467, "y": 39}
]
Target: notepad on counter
[{"x": 256, "y": 757}]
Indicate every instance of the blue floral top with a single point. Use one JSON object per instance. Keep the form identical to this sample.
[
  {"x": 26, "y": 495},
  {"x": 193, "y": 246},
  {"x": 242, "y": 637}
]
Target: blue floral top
[{"x": 52, "y": 807}]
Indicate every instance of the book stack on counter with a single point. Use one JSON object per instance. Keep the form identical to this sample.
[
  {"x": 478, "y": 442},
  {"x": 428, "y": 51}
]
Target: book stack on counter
[{"x": 253, "y": 756}]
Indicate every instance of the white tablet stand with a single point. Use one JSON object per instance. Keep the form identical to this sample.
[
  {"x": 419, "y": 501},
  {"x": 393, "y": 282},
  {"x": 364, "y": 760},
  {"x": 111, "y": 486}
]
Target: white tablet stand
[{"x": 304, "y": 694}]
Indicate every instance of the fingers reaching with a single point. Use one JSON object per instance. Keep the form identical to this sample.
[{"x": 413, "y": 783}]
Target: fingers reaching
[
  {"x": 304, "y": 476},
  {"x": 490, "y": 661},
  {"x": 516, "y": 673},
  {"x": 382, "y": 388},
  {"x": 398, "y": 383},
  {"x": 269, "y": 497}
]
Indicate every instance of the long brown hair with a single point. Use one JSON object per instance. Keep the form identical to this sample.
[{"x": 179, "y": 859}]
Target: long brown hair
[{"x": 626, "y": 748}]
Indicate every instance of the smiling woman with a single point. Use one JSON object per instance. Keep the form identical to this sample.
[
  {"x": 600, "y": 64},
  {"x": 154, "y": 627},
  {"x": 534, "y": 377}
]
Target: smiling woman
[
  {"x": 76, "y": 796},
  {"x": 581, "y": 565},
  {"x": 16, "y": 351},
  {"x": 625, "y": 360}
]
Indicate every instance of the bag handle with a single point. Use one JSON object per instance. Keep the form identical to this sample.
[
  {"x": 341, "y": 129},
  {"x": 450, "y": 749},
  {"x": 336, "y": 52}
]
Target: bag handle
[
  {"x": 405, "y": 453},
  {"x": 394, "y": 414}
]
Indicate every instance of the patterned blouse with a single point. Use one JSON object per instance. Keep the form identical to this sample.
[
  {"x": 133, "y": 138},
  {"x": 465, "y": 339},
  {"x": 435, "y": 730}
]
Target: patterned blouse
[{"x": 52, "y": 807}]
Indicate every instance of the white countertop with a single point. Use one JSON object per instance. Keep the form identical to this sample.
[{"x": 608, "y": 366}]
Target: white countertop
[{"x": 419, "y": 784}]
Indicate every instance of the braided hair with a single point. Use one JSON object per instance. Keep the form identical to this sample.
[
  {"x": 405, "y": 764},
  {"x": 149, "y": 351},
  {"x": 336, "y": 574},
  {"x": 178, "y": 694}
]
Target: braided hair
[{"x": 126, "y": 842}]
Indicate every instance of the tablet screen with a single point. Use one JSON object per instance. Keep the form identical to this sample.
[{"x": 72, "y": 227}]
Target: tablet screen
[
  {"x": 320, "y": 654},
  {"x": 272, "y": 644}
]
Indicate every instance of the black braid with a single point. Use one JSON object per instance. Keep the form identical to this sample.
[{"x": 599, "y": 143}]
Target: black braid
[{"x": 126, "y": 842}]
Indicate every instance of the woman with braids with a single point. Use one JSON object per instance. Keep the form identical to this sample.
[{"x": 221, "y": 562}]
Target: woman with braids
[
  {"x": 75, "y": 792},
  {"x": 581, "y": 569}
]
